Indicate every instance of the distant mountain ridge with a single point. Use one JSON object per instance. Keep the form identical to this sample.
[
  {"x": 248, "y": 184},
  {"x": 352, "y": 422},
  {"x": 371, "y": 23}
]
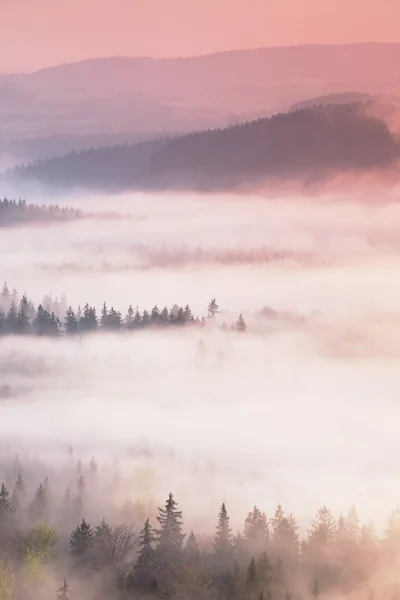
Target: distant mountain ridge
[{"x": 142, "y": 97}]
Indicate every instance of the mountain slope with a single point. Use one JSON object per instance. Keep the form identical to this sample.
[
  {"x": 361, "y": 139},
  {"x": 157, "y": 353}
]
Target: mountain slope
[{"x": 313, "y": 141}]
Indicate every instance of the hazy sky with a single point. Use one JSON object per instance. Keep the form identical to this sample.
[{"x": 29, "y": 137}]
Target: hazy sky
[{"x": 37, "y": 33}]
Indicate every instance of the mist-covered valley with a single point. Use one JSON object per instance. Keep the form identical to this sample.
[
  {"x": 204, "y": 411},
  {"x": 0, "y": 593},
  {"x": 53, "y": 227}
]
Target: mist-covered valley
[{"x": 298, "y": 407}]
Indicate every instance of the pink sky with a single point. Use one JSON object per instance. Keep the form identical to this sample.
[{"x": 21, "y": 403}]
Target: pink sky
[{"x": 37, "y": 33}]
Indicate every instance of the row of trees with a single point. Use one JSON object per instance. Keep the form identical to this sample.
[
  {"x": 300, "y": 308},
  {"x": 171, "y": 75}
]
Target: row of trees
[
  {"x": 25, "y": 319},
  {"x": 14, "y": 211},
  {"x": 267, "y": 559}
]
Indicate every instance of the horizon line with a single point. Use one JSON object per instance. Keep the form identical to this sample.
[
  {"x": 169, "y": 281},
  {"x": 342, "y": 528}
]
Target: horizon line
[{"x": 195, "y": 56}]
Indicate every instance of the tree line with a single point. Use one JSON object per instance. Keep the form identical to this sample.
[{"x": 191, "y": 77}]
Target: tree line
[
  {"x": 266, "y": 560},
  {"x": 23, "y": 318},
  {"x": 14, "y": 211}
]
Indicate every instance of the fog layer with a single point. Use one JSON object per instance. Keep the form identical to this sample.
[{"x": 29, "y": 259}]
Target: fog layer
[{"x": 300, "y": 409}]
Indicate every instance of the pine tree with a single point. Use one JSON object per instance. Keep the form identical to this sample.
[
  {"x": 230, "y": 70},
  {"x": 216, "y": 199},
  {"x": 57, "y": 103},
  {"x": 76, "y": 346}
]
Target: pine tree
[
  {"x": 240, "y": 324},
  {"x": 71, "y": 324},
  {"x": 81, "y": 542},
  {"x": 20, "y": 485},
  {"x": 251, "y": 574},
  {"x": 22, "y": 322},
  {"x": 212, "y": 308},
  {"x": 169, "y": 536},
  {"x": 6, "y": 507},
  {"x": 12, "y": 319},
  {"x": 322, "y": 528},
  {"x": 38, "y": 507},
  {"x": 102, "y": 545},
  {"x": 256, "y": 531},
  {"x": 146, "y": 560},
  {"x": 129, "y": 318},
  {"x": 192, "y": 550},
  {"x": 223, "y": 539},
  {"x": 62, "y": 592}
]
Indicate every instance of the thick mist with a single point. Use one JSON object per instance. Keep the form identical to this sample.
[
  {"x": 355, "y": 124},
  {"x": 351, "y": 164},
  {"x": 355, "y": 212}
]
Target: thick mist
[{"x": 302, "y": 409}]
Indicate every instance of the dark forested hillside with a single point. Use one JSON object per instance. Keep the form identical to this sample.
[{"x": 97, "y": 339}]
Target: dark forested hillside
[{"x": 315, "y": 141}]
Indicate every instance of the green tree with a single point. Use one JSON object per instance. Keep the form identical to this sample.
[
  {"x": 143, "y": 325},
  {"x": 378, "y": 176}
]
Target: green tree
[
  {"x": 39, "y": 544},
  {"x": 7, "y": 581}
]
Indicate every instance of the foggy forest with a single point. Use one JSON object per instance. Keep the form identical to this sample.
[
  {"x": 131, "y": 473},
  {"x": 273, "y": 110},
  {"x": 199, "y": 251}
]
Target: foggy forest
[{"x": 199, "y": 301}]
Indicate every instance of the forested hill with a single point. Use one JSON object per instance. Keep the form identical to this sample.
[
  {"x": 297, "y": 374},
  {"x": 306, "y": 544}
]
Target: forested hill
[{"x": 314, "y": 141}]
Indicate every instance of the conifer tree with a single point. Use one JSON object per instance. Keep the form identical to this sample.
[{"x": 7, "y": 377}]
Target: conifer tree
[
  {"x": 38, "y": 507},
  {"x": 192, "y": 550},
  {"x": 223, "y": 550},
  {"x": 12, "y": 319},
  {"x": 251, "y": 574},
  {"x": 146, "y": 559},
  {"x": 6, "y": 506},
  {"x": 81, "y": 542},
  {"x": 129, "y": 318},
  {"x": 256, "y": 531},
  {"x": 71, "y": 324},
  {"x": 169, "y": 536},
  {"x": 240, "y": 324},
  {"x": 20, "y": 484},
  {"x": 212, "y": 308},
  {"x": 102, "y": 545},
  {"x": 62, "y": 592},
  {"x": 22, "y": 322}
]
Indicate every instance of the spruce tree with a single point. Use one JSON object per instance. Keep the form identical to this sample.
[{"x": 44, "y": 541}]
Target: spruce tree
[
  {"x": 12, "y": 319},
  {"x": 146, "y": 559},
  {"x": 192, "y": 551},
  {"x": 22, "y": 322},
  {"x": 38, "y": 507},
  {"x": 102, "y": 545},
  {"x": 20, "y": 484},
  {"x": 81, "y": 542},
  {"x": 71, "y": 324},
  {"x": 240, "y": 324},
  {"x": 223, "y": 550},
  {"x": 256, "y": 531},
  {"x": 212, "y": 308},
  {"x": 62, "y": 592},
  {"x": 169, "y": 536},
  {"x": 251, "y": 574},
  {"x": 6, "y": 506}
]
